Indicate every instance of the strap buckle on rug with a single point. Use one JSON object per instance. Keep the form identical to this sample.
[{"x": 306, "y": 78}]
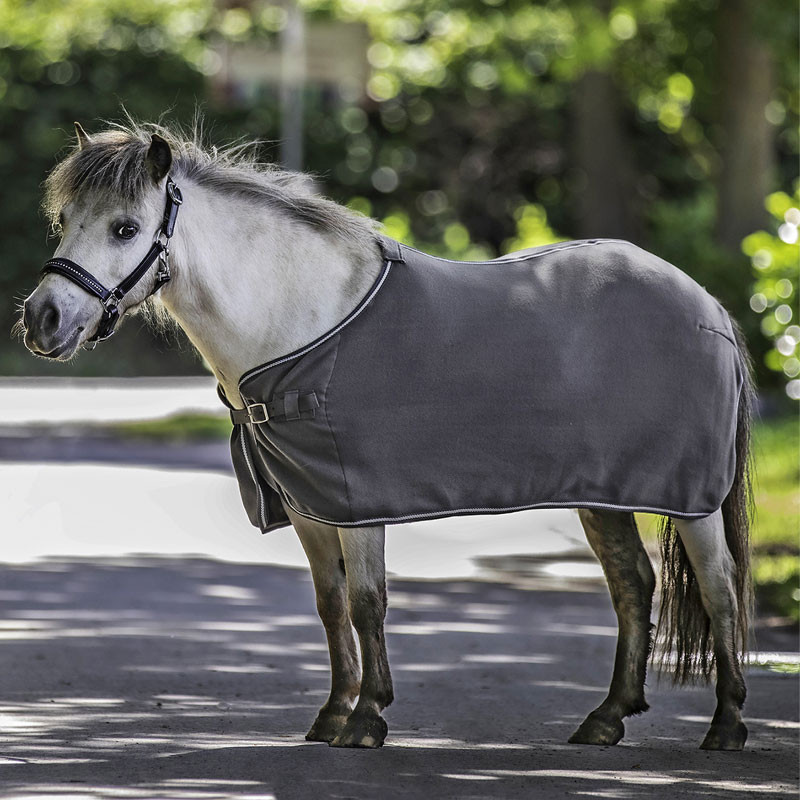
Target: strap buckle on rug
[{"x": 255, "y": 414}]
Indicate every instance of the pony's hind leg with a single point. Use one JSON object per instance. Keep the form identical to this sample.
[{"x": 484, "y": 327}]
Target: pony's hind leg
[
  {"x": 366, "y": 593},
  {"x": 321, "y": 543},
  {"x": 714, "y": 568},
  {"x": 615, "y": 539}
]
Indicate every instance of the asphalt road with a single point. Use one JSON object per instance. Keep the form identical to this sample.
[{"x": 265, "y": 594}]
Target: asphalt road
[
  {"x": 158, "y": 678},
  {"x": 41, "y": 445}
]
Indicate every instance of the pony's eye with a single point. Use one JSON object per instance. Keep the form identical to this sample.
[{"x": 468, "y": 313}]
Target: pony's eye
[{"x": 126, "y": 230}]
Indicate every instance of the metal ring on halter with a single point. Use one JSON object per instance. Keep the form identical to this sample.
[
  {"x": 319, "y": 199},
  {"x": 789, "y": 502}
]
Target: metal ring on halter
[
  {"x": 174, "y": 192},
  {"x": 112, "y": 301}
]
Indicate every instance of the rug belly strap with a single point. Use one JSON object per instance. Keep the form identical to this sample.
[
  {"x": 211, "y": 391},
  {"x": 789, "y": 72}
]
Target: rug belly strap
[{"x": 291, "y": 406}]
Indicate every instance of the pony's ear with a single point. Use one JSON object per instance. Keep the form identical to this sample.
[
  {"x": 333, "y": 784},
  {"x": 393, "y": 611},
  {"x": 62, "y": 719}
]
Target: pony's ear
[
  {"x": 158, "y": 159},
  {"x": 83, "y": 138}
]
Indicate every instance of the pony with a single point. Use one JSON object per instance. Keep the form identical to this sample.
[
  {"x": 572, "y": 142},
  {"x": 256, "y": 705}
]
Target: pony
[{"x": 253, "y": 265}]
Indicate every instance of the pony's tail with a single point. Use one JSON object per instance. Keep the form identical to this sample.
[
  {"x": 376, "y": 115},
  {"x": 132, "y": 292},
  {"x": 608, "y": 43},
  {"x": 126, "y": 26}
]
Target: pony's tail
[{"x": 684, "y": 629}]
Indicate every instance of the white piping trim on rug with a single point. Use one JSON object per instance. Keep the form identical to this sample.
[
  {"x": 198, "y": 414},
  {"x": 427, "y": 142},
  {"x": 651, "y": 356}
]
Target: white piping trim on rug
[
  {"x": 324, "y": 338},
  {"x": 505, "y": 510}
]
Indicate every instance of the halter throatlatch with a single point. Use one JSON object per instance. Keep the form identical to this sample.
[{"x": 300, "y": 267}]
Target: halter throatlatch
[{"x": 111, "y": 298}]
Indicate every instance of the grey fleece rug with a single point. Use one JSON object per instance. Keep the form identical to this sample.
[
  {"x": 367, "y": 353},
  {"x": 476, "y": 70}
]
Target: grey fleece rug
[{"x": 582, "y": 374}]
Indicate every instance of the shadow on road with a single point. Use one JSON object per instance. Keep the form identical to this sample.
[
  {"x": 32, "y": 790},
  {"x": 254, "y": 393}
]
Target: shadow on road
[{"x": 197, "y": 679}]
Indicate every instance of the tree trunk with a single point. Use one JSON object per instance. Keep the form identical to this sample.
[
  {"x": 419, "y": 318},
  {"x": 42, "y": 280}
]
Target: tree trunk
[
  {"x": 602, "y": 157},
  {"x": 293, "y": 78},
  {"x": 746, "y": 142}
]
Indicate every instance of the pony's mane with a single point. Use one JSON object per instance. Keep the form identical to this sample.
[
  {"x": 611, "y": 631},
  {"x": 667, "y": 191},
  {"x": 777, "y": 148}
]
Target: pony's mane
[{"x": 114, "y": 163}]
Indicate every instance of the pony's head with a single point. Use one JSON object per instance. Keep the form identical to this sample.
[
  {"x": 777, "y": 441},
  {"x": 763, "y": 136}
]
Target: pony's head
[
  {"x": 107, "y": 201},
  {"x": 112, "y": 199}
]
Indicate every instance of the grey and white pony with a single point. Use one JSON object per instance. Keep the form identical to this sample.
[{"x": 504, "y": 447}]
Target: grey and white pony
[{"x": 246, "y": 288}]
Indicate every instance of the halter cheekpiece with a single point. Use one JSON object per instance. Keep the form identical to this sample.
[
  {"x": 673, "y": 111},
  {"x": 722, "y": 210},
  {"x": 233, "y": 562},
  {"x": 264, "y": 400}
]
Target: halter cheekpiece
[{"x": 111, "y": 298}]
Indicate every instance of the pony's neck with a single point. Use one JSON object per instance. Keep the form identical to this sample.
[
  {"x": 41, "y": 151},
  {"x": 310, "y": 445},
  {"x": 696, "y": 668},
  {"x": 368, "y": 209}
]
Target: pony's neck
[{"x": 250, "y": 284}]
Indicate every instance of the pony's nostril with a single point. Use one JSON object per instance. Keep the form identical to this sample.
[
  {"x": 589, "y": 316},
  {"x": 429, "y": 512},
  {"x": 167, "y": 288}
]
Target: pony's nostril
[{"x": 50, "y": 319}]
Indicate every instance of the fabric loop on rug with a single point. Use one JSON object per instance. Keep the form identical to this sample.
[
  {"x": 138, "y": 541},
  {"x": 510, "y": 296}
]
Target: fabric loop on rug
[
  {"x": 391, "y": 249},
  {"x": 291, "y": 405}
]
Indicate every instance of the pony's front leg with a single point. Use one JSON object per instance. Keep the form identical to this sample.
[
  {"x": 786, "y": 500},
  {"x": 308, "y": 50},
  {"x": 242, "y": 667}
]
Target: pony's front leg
[
  {"x": 366, "y": 594},
  {"x": 713, "y": 566},
  {"x": 321, "y": 543},
  {"x": 615, "y": 539}
]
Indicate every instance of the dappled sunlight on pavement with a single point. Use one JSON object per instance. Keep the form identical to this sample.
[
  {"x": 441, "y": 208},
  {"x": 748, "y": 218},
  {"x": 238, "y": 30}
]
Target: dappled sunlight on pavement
[{"x": 190, "y": 678}]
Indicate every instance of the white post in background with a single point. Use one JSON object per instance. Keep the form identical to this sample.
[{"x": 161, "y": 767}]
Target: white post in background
[{"x": 293, "y": 76}]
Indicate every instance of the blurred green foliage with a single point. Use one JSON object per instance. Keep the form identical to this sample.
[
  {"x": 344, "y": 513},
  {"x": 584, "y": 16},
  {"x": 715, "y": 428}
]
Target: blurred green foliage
[
  {"x": 775, "y": 257},
  {"x": 462, "y": 145}
]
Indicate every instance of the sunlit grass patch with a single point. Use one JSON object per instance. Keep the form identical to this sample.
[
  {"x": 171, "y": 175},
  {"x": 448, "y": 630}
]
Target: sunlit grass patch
[
  {"x": 776, "y": 449},
  {"x": 776, "y": 529},
  {"x": 180, "y": 427}
]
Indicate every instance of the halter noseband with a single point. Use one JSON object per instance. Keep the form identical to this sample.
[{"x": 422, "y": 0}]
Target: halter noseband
[{"x": 111, "y": 298}]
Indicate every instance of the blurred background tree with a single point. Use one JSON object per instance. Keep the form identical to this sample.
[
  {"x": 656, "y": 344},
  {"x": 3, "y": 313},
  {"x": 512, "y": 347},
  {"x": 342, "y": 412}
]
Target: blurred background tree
[{"x": 469, "y": 127}]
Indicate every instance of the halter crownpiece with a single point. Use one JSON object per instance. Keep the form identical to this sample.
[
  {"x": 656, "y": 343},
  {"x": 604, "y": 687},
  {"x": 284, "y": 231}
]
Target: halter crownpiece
[{"x": 111, "y": 298}]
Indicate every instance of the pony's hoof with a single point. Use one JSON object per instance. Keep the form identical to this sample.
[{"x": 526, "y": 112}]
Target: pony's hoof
[
  {"x": 326, "y": 727},
  {"x": 362, "y": 730},
  {"x": 730, "y": 737},
  {"x": 596, "y": 730}
]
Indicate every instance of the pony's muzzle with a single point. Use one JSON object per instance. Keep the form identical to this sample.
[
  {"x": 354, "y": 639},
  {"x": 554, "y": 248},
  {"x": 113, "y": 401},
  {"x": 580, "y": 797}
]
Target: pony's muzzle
[
  {"x": 47, "y": 333},
  {"x": 43, "y": 317}
]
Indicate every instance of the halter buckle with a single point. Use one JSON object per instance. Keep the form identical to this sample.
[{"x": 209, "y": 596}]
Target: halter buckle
[
  {"x": 163, "y": 274},
  {"x": 111, "y": 302}
]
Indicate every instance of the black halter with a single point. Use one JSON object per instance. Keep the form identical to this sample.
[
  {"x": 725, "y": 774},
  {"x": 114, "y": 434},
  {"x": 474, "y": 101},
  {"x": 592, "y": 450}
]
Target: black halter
[{"x": 110, "y": 298}]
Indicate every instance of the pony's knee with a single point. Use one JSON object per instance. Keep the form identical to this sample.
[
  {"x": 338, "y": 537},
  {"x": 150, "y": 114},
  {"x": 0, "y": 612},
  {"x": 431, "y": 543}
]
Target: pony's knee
[
  {"x": 332, "y": 606},
  {"x": 368, "y": 609}
]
